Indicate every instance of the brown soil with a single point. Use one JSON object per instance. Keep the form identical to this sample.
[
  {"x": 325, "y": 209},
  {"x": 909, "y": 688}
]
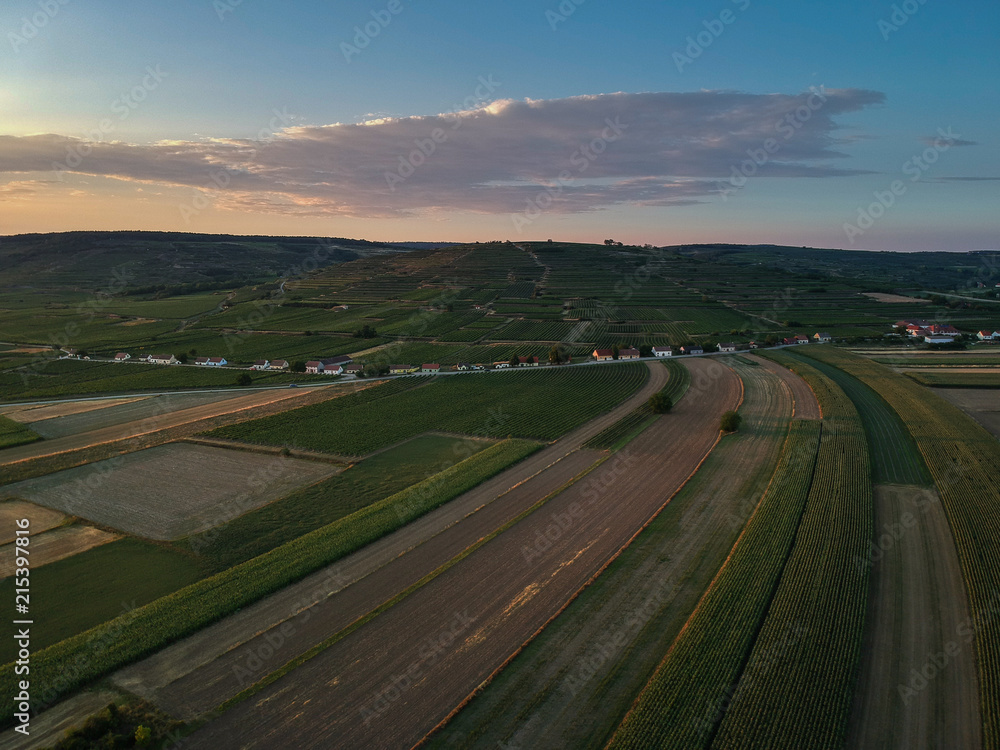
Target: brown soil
[
  {"x": 917, "y": 620},
  {"x": 42, "y": 519},
  {"x": 55, "y": 545},
  {"x": 805, "y": 404},
  {"x": 30, "y": 414}
]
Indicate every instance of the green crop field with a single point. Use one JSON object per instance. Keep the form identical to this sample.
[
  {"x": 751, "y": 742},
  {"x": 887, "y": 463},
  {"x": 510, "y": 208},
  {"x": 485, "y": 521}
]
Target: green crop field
[
  {"x": 682, "y": 703},
  {"x": 797, "y": 687},
  {"x": 12, "y": 433},
  {"x": 894, "y": 453},
  {"x": 541, "y": 404},
  {"x": 967, "y": 483},
  {"x": 956, "y": 379}
]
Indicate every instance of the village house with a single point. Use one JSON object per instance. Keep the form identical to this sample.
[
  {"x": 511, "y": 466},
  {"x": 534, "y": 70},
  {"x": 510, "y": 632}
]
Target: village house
[
  {"x": 663, "y": 351},
  {"x": 201, "y": 360},
  {"x": 68, "y": 351},
  {"x": 986, "y": 335},
  {"x": 823, "y": 338},
  {"x": 629, "y": 353},
  {"x": 162, "y": 359},
  {"x": 260, "y": 364},
  {"x": 463, "y": 367},
  {"x": 527, "y": 361},
  {"x": 314, "y": 367},
  {"x": 692, "y": 350},
  {"x": 278, "y": 364},
  {"x": 217, "y": 362},
  {"x": 801, "y": 338},
  {"x": 354, "y": 369},
  {"x": 753, "y": 345},
  {"x": 399, "y": 369},
  {"x": 602, "y": 355},
  {"x": 944, "y": 330},
  {"x": 122, "y": 356},
  {"x": 501, "y": 365},
  {"x": 430, "y": 369},
  {"x": 727, "y": 347}
]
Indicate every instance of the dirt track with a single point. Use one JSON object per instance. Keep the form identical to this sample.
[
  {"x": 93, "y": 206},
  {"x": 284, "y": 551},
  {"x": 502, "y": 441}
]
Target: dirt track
[
  {"x": 387, "y": 566},
  {"x": 805, "y": 404},
  {"x": 389, "y": 682},
  {"x": 916, "y": 614}
]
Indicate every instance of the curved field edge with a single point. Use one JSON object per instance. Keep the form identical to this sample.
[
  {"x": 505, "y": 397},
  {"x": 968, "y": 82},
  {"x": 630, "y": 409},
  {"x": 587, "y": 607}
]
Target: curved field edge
[
  {"x": 964, "y": 460},
  {"x": 894, "y": 453},
  {"x": 68, "y": 665},
  {"x": 683, "y": 701},
  {"x": 797, "y": 688},
  {"x": 630, "y": 426}
]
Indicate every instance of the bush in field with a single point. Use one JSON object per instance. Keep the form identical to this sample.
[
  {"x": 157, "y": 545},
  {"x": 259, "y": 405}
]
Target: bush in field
[
  {"x": 660, "y": 403},
  {"x": 730, "y": 422}
]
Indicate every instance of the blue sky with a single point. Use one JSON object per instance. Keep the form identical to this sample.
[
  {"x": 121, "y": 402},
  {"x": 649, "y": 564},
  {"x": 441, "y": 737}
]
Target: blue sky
[{"x": 246, "y": 88}]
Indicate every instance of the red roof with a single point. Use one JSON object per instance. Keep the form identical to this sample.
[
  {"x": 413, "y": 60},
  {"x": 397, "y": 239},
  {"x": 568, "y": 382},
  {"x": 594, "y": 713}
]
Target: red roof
[
  {"x": 630, "y": 352},
  {"x": 430, "y": 367},
  {"x": 603, "y": 353}
]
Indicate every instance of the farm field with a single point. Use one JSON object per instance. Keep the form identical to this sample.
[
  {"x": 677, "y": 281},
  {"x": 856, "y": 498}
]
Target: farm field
[
  {"x": 961, "y": 379},
  {"x": 205, "y": 485},
  {"x": 13, "y": 434},
  {"x": 57, "y": 544},
  {"x": 500, "y": 617},
  {"x": 542, "y": 404},
  {"x": 30, "y": 414},
  {"x": 40, "y": 518},
  {"x": 371, "y": 574},
  {"x": 574, "y": 683},
  {"x": 913, "y": 575},
  {"x": 968, "y": 494},
  {"x": 982, "y": 405}
]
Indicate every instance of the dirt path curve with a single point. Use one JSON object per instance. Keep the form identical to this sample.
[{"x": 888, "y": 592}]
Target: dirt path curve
[
  {"x": 918, "y": 619},
  {"x": 175, "y": 678},
  {"x": 389, "y": 682},
  {"x": 805, "y": 404}
]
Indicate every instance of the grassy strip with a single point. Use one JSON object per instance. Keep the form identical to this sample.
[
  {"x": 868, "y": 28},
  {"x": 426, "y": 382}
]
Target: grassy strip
[
  {"x": 964, "y": 460},
  {"x": 797, "y": 688},
  {"x": 13, "y": 433},
  {"x": 76, "y": 661},
  {"x": 894, "y": 453},
  {"x": 956, "y": 379},
  {"x": 706, "y": 659}
]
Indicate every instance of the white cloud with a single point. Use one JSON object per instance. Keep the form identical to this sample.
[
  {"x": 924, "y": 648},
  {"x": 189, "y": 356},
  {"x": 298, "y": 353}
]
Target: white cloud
[{"x": 673, "y": 149}]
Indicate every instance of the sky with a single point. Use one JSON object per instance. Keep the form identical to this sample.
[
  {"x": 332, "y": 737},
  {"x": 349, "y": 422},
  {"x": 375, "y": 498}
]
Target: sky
[{"x": 861, "y": 125}]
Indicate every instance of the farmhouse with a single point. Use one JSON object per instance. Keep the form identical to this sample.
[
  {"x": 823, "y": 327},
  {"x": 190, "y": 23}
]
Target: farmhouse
[
  {"x": 314, "y": 367},
  {"x": 728, "y": 347},
  {"x": 986, "y": 336},
  {"x": 501, "y": 365},
  {"x": 801, "y": 339},
  {"x": 754, "y": 345},
  {"x": 260, "y": 364},
  {"x": 602, "y": 355},
  {"x": 432, "y": 368},
  {"x": 122, "y": 356},
  {"x": 354, "y": 369},
  {"x": 68, "y": 351},
  {"x": 162, "y": 359},
  {"x": 463, "y": 366},
  {"x": 217, "y": 362},
  {"x": 399, "y": 369},
  {"x": 278, "y": 364},
  {"x": 527, "y": 361},
  {"x": 201, "y": 361},
  {"x": 692, "y": 350},
  {"x": 823, "y": 338},
  {"x": 629, "y": 353},
  {"x": 944, "y": 330},
  {"x": 663, "y": 351}
]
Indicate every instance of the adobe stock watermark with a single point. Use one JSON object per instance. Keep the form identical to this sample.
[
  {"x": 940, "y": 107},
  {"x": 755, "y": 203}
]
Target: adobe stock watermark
[
  {"x": 365, "y": 33},
  {"x": 427, "y": 147},
  {"x": 786, "y": 127},
  {"x": 31, "y": 26},
  {"x": 562, "y": 12},
  {"x": 224, "y": 7},
  {"x": 900, "y": 15},
  {"x": 714, "y": 28},
  {"x": 915, "y": 167},
  {"x": 126, "y": 103},
  {"x": 581, "y": 159}
]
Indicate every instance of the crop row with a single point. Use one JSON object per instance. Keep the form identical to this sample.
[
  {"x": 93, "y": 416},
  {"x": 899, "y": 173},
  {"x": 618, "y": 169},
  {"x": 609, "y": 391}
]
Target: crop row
[
  {"x": 797, "y": 687},
  {"x": 96, "y": 652},
  {"x": 683, "y": 701},
  {"x": 964, "y": 460},
  {"x": 541, "y": 404}
]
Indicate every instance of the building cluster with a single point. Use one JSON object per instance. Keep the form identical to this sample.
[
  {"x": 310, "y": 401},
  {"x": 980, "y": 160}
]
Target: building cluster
[{"x": 932, "y": 333}]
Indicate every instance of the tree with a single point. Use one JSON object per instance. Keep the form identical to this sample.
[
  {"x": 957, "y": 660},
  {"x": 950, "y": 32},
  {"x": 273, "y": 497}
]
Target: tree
[
  {"x": 730, "y": 422},
  {"x": 182, "y": 358},
  {"x": 143, "y": 736},
  {"x": 557, "y": 354},
  {"x": 298, "y": 366},
  {"x": 660, "y": 403},
  {"x": 244, "y": 379}
]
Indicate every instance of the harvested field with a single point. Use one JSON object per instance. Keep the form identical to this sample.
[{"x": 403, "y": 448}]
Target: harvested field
[
  {"x": 56, "y": 544},
  {"x": 983, "y": 405},
  {"x": 804, "y": 400},
  {"x": 896, "y": 298},
  {"x": 917, "y": 609},
  {"x": 42, "y": 519},
  {"x": 172, "y": 490},
  {"x": 48, "y": 729},
  {"x": 386, "y": 567},
  {"x": 29, "y": 414},
  {"x": 131, "y": 410},
  {"x": 479, "y": 612}
]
